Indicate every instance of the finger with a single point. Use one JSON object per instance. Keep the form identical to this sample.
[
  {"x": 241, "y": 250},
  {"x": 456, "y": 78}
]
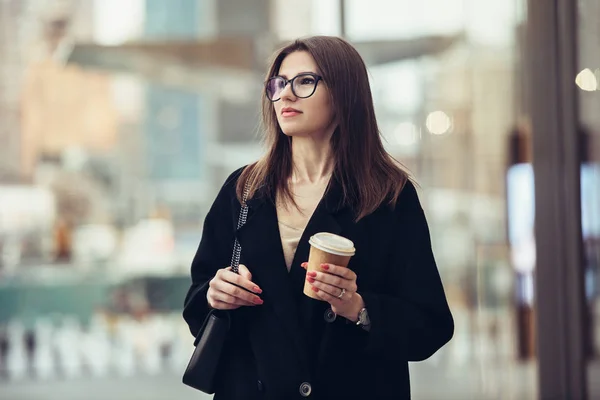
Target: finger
[
  {"x": 329, "y": 289},
  {"x": 333, "y": 280},
  {"x": 245, "y": 272},
  {"x": 236, "y": 291},
  {"x": 326, "y": 296},
  {"x": 304, "y": 265},
  {"x": 219, "y": 305},
  {"x": 344, "y": 272},
  {"x": 238, "y": 280},
  {"x": 236, "y": 301},
  {"x": 230, "y": 299}
]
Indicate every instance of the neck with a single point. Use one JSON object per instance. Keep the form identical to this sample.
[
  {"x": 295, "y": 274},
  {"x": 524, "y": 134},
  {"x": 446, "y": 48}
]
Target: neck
[{"x": 313, "y": 159}]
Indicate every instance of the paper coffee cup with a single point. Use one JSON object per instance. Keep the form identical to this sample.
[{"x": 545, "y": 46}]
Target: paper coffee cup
[{"x": 327, "y": 248}]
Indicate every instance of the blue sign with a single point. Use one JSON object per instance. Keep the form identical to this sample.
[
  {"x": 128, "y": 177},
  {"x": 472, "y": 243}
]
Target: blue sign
[
  {"x": 173, "y": 134},
  {"x": 170, "y": 19}
]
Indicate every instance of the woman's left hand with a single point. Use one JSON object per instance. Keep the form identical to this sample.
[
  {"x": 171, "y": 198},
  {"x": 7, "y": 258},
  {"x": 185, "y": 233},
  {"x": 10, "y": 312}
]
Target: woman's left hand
[{"x": 337, "y": 286}]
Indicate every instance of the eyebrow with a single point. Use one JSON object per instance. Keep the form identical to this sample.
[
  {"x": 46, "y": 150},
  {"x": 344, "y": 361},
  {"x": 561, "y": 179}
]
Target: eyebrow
[{"x": 299, "y": 73}]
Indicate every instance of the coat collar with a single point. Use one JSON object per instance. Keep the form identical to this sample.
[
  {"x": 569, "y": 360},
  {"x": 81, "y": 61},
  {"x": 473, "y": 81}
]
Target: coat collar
[
  {"x": 332, "y": 201},
  {"x": 263, "y": 255}
]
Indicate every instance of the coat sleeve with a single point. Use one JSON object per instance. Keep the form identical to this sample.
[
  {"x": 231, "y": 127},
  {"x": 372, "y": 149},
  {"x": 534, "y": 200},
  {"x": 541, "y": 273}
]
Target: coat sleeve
[
  {"x": 214, "y": 253},
  {"x": 412, "y": 320}
]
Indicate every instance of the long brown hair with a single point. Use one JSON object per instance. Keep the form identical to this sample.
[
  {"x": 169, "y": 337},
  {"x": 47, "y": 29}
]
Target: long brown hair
[{"x": 367, "y": 174}]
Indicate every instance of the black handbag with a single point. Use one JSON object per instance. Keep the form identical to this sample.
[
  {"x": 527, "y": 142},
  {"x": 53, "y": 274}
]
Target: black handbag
[{"x": 202, "y": 369}]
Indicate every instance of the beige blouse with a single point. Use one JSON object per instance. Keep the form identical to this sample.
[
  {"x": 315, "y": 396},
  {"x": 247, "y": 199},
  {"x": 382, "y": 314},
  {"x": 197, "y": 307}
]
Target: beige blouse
[{"x": 292, "y": 221}]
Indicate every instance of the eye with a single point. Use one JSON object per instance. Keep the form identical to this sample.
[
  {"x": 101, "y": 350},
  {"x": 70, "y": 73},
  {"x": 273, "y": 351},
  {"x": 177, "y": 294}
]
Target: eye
[{"x": 307, "y": 80}]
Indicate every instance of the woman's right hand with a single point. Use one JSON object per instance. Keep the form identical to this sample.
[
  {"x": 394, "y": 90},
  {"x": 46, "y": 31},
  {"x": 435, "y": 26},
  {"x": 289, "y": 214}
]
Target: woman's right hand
[{"x": 228, "y": 290}]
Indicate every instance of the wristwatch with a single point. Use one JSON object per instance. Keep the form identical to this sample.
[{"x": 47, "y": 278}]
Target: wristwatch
[{"x": 363, "y": 318}]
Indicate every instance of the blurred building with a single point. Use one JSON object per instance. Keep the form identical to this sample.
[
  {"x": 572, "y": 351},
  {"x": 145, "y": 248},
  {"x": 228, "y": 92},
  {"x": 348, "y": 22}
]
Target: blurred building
[
  {"x": 64, "y": 108},
  {"x": 15, "y": 36}
]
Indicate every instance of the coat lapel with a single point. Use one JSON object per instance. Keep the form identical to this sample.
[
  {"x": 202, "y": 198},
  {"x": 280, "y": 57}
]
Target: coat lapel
[
  {"x": 263, "y": 254},
  {"x": 324, "y": 219}
]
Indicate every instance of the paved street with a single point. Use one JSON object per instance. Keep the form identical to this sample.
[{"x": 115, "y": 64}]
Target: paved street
[
  {"x": 428, "y": 382},
  {"x": 163, "y": 387}
]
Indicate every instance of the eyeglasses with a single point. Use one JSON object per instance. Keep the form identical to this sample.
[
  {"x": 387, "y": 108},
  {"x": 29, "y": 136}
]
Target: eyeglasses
[{"x": 303, "y": 85}]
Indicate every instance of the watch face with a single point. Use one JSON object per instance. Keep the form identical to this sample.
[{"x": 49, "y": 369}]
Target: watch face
[{"x": 363, "y": 317}]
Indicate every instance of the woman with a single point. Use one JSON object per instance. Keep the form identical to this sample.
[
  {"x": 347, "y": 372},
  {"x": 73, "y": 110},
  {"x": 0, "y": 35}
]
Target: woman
[{"x": 325, "y": 171}]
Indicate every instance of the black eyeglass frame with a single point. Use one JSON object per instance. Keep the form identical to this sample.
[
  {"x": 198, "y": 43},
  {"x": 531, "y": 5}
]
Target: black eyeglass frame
[{"x": 291, "y": 81}]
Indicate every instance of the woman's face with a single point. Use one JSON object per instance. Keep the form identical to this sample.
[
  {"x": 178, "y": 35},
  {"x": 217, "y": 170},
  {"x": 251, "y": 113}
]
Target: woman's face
[{"x": 303, "y": 117}]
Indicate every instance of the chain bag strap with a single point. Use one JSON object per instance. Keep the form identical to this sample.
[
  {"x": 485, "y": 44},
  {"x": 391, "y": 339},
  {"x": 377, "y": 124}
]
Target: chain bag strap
[
  {"x": 237, "y": 248},
  {"x": 201, "y": 372}
]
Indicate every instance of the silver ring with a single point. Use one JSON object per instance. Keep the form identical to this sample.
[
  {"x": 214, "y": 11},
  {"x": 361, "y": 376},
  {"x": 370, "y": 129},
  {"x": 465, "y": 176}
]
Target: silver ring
[{"x": 342, "y": 293}]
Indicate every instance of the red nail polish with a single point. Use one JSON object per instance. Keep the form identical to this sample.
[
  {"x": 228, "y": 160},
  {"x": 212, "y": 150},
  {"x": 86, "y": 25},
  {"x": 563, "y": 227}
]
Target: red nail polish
[
  {"x": 311, "y": 273},
  {"x": 325, "y": 266},
  {"x": 310, "y": 279},
  {"x": 314, "y": 288}
]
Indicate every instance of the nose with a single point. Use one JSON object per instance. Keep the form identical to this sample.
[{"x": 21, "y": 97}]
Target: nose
[{"x": 286, "y": 92}]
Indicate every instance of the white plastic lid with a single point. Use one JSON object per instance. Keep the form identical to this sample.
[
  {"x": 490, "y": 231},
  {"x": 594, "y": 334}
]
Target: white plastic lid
[{"x": 332, "y": 243}]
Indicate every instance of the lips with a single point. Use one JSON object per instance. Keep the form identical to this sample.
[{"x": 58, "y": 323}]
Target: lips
[{"x": 289, "y": 112}]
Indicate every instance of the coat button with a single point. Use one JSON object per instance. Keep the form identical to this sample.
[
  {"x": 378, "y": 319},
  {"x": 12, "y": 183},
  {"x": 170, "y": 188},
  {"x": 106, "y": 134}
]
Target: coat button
[
  {"x": 329, "y": 315},
  {"x": 260, "y": 386},
  {"x": 305, "y": 389}
]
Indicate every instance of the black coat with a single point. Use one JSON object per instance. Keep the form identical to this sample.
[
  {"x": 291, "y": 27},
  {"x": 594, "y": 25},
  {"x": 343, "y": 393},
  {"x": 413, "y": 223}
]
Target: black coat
[{"x": 274, "y": 348}]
